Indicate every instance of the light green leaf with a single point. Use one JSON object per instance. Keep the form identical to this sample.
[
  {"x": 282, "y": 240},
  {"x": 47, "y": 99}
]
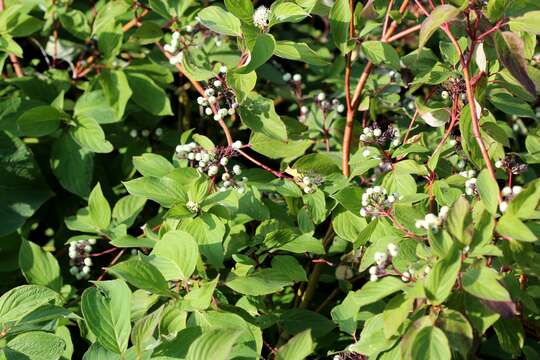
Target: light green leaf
[
  {"x": 152, "y": 165},
  {"x": 286, "y": 12},
  {"x": 442, "y": 277},
  {"x": 527, "y": 22},
  {"x": 220, "y": 21},
  {"x": 260, "y": 53},
  {"x": 143, "y": 275},
  {"x": 483, "y": 283},
  {"x": 512, "y": 227},
  {"x": 181, "y": 250},
  {"x": 488, "y": 190},
  {"x": 379, "y": 52},
  {"x": 442, "y": 14},
  {"x": 22, "y": 300},
  {"x": 258, "y": 113},
  {"x": 431, "y": 344},
  {"x": 35, "y": 345},
  {"x": 213, "y": 344},
  {"x": 90, "y": 136},
  {"x": 300, "y": 52},
  {"x": 99, "y": 208},
  {"x": 298, "y": 347},
  {"x": 106, "y": 309},
  {"x": 39, "y": 267},
  {"x": 164, "y": 191},
  {"x": 340, "y": 17}
]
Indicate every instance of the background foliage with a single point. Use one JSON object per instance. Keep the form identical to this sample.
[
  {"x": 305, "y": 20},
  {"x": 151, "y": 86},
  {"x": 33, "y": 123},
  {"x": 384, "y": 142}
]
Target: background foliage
[{"x": 194, "y": 180}]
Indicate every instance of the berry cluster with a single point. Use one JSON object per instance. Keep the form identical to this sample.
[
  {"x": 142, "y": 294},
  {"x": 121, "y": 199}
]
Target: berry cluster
[
  {"x": 327, "y": 106},
  {"x": 211, "y": 162},
  {"x": 433, "y": 222},
  {"x": 511, "y": 163},
  {"x": 218, "y": 99},
  {"x": 310, "y": 182},
  {"x": 508, "y": 194},
  {"x": 79, "y": 258},
  {"x": 172, "y": 47},
  {"x": 193, "y": 206},
  {"x": 376, "y": 201},
  {"x": 295, "y": 79},
  {"x": 375, "y": 135},
  {"x": 261, "y": 17},
  {"x": 145, "y": 132},
  {"x": 382, "y": 261}
]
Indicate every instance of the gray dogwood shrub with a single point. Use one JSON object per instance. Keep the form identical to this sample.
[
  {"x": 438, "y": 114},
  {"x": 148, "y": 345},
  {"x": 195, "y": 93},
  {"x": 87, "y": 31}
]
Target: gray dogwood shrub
[{"x": 184, "y": 179}]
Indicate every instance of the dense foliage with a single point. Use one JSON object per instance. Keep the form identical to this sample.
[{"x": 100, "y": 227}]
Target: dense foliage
[{"x": 299, "y": 178}]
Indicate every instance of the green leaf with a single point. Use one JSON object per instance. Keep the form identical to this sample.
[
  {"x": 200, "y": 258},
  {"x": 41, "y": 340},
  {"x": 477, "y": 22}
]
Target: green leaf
[
  {"x": 148, "y": 95},
  {"x": 93, "y": 104},
  {"x": 258, "y": 114},
  {"x": 35, "y": 345},
  {"x": 127, "y": 208},
  {"x": 90, "y": 136},
  {"x": 458, "y": 330},
  {"x": 260, "y": 53},
  {"x": 182, "y": 252},
  {"x": 199, "y": 298},
  {"x": 72, "y": 165},
  {"x": 495, "y": 9},
  {"x": 431, "y": 343},
  {"x": 483, "y": 283},
  {"x": 220, "y": 21},
  {"x": 99, "y": 208},
  {"x": 298, "y": 347},
  {"x": 442, "y": 14},
  {"x": 262, "y": 282},
  {"x": 299, "y": 52},
  {"x": 142, "y": 335},
  {"x": 106, "y": 310},
  {"x": 295, "y": 321},
  {"x": 442, "y": 277},
  {"x": 379, "y": 52},
  {"x": 511, "y": 335},
  {"x": 488, "y": 190},
  {"x": 143, "y": 275},
  {"x": 75, "y": 22},
  {"x": 107, "y": 14},
  {"x": 9, "y": 45},
  {"x": 147, "y": 33},
  {"x": 511, "y": 105},
  {"x": 340, "y": 17},
  {"x": 459, "y": 221},
  {"x": 164, "y": 191},
  {"x": 510, "y": 226},
  {"x": 39, "y": 267},
  {"x": 527, "y": 22},
  {"x": 286, "y": 12},
  {"x": 395, "y": 313},
  {"x": 23, "y": 188},
  {"x": 376, "y": 290},
  {"x": 152, "y": 165},
  {"x": 277, "y": 149},
  {"x": 213, "y": 344},
  {"x": 22, "y": 300},
  {"x": 117, "y": 91},
  {"x": 39, "y": 121},
  {"x": 242, "y": 9}
]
